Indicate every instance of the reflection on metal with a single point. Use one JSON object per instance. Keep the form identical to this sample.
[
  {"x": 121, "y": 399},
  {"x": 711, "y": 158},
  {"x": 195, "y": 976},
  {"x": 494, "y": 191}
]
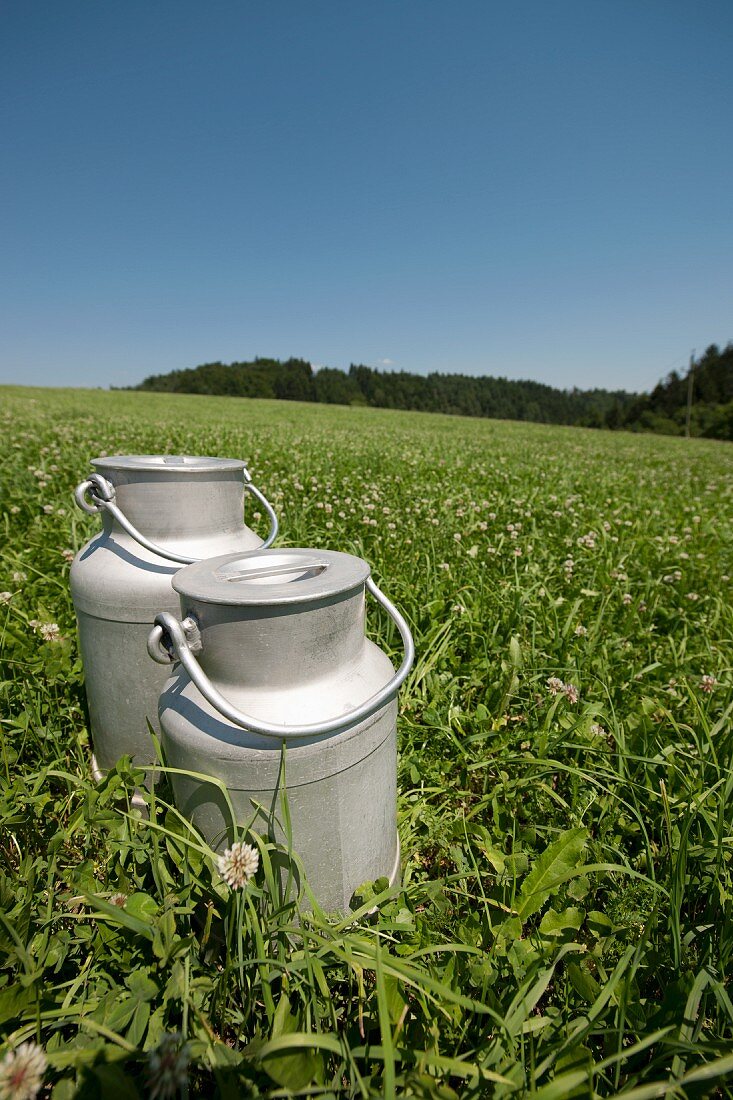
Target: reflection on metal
[
  {"x": 158, "y": 512},
  {"x": 271, "y": 652}
]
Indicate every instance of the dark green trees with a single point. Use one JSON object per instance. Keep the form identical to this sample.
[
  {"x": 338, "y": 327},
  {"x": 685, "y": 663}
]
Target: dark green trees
[{"x": 662, "y": 410}]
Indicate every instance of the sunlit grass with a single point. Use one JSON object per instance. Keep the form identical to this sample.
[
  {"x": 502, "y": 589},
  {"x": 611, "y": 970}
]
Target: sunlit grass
[{"x": 564, "y": 926}]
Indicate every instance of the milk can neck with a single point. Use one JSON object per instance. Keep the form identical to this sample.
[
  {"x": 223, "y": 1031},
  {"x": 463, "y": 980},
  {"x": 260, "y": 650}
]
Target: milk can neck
[
  {"x": 180, "y": 505},
  {"x": 282, "y": 645}
]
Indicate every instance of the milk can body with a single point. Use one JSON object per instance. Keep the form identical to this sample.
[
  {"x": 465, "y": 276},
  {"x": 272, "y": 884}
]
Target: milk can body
[
  {"x": 192, "y": 507},
  {"x": 277, "y": 640}
]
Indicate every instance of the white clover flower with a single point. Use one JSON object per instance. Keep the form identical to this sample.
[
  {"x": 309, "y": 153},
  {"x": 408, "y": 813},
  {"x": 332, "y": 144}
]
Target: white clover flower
[
  {"x": 168, "y": 1067},
  {"x": 555, "y": 685},
  {"x": 707, "y": 684},
  {"x": 48, "y": 509},
  {"x": 238, "y": 864},
  {"x": 67, "y": 555},
  {"x": 626, "y": 598},
  {"x": 571, "y": 693},
  {"x": 6, "y": 597},
  {"x": 597, "y": 730},
  {"x": 21, "y": 1072},
  {"x": 581, "y": 631},
  {"x": 49, "y": 631}
]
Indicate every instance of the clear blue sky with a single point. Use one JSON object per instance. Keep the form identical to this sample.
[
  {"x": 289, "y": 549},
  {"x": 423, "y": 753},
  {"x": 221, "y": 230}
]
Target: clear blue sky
[{"x": 539, "y": 190}]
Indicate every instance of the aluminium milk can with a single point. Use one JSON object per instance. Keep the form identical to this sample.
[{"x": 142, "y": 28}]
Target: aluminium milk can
[
  {"x": 159, "y": 513},
  {"x": 271, "y": 651}
]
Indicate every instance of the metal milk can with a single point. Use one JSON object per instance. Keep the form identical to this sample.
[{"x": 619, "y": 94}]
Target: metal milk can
[
  {"x": 272, "y": 652},
  {"x": 159, "y": 512}
]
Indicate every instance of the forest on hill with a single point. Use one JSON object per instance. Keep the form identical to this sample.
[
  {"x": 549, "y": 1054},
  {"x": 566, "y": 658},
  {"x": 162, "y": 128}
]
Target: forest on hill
[
  {"x": 665, "y": 409},
  {"x": 708, "y": 387},
  {"x": 457, "y": 394}
]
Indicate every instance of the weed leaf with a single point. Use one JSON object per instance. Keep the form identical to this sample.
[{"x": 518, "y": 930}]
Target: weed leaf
[{"x": 548, "y": 871}]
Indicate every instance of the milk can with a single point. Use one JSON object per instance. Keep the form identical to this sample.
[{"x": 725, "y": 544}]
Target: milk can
[
  {"x": 159, "y": 512},
  {"x": 272, "y": 651}
]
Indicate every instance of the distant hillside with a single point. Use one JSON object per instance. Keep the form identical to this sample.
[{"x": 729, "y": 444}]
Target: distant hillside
[
  {"x": 458, "y": 394},
  {"x": 665, "y": 408}
]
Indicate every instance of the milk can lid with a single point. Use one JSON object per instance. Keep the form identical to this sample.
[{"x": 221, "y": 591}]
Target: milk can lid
[
  {"x": 193, "y": 464},
  {"x": 263, "y": 577}
]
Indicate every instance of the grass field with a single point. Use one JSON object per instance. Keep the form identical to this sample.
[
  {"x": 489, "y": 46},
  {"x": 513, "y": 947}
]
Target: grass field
[{"x": 564, "y": 927}]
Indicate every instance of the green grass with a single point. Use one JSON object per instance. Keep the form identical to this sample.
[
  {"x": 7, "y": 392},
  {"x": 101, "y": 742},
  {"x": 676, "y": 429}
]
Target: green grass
[{"x": 564, "y": 927}]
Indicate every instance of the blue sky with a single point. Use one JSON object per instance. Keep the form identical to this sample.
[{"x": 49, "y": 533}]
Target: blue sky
[{"x": 528, "y": 189}]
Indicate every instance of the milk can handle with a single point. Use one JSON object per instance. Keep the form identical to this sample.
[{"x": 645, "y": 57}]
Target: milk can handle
[
  {"x": 102, "y": 495},
  {"x": 167, "y": 626}
]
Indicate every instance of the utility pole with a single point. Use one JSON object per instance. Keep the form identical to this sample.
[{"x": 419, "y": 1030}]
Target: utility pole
[{"x": 690, "y": 380}]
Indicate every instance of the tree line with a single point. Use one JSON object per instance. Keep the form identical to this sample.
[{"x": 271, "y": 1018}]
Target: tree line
[
  {"x": 456, "y": 394},
  {"x": 706, "y": 388},
  {"x": 663, "y": 410}
]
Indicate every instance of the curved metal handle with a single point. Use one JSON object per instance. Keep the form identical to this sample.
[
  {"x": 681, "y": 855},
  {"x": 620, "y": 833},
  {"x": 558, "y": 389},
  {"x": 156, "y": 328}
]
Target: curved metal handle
[
  {"x": 274, "y": 525},
  {"x": 102, "y": 494},
  {"x": 182, "y": 638}
]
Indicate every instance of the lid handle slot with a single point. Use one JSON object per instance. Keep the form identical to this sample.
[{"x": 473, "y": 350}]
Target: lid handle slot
[{"x": 285, "y": 572}]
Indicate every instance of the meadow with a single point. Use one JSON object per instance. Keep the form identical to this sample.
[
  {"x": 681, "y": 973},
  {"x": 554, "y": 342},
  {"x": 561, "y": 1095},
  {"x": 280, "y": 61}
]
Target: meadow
[{"x": 564, "y": 924}]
